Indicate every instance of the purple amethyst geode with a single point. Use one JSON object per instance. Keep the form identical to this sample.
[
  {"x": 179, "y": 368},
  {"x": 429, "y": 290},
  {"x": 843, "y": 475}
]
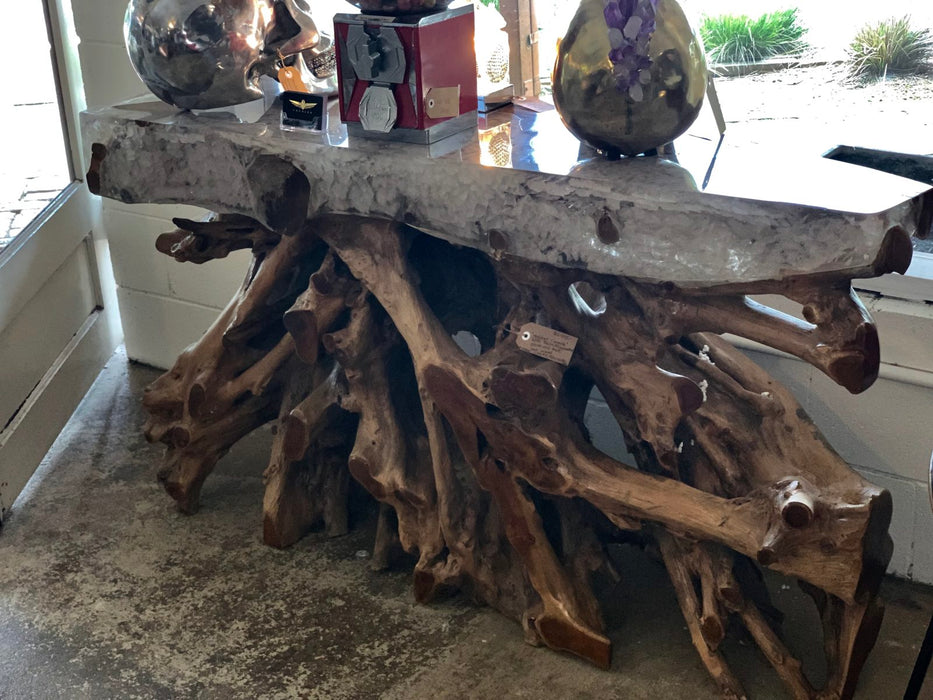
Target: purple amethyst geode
[{"x": 631, "y": 25}]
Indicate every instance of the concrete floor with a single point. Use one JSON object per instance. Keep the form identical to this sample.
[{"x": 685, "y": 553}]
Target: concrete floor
[{"x": 107, "y": 592}]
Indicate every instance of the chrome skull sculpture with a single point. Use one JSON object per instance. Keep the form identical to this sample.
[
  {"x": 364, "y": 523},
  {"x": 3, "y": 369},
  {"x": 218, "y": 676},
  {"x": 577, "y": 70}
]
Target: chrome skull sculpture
[{"x": 202, "y": 54}]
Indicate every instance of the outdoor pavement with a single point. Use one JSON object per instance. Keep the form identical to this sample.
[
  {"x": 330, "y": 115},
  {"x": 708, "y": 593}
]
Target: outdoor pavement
[
  {"x": 810, "y": 109},
  {"x": 33, "y": 161},
  {"x": 35, "y": 169}
]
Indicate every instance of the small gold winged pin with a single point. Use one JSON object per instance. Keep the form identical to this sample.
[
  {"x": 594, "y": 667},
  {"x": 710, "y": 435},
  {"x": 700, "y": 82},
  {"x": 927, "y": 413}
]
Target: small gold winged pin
[{"x": 302, "y": 104}]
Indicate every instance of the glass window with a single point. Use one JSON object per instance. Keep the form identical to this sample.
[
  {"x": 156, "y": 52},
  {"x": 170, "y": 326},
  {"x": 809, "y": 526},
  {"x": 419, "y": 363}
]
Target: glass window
[
  {"x": 35, "y": 163},
  {"x": 810, "y": 99}
]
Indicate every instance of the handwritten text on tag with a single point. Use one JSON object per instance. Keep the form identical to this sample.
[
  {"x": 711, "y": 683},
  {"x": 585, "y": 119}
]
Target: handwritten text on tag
[{"x": 547, "y": 343}]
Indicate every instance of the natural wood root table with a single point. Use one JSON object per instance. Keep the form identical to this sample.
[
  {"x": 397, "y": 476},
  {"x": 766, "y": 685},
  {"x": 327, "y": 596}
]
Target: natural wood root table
[{"x": 369, "y": 257}]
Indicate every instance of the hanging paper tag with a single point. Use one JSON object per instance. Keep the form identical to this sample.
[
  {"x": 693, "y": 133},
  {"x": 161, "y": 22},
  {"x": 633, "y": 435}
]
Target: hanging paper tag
[
  {"x": 547, "y": 343},
  {"x": 290, "y": 77},
  {"x": 441, "y": 103}
]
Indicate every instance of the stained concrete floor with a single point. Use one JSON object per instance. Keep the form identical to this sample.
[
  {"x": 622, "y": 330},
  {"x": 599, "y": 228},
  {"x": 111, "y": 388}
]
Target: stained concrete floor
[{"x": 107, "y": 592}]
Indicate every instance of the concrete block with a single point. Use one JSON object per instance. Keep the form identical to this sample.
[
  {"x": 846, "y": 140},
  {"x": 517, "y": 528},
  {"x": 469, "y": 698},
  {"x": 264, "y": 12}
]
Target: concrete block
[
  {"x": 906, "y": 332},
  {"x": 114, "y": 79},
  {"x": 211, "y": 284},
  {"x": 138, "y": 266},
  {"x": 158, "y": 328},
  {"x": 165, "y": 212},
  {"x": 99, "y": 20},
  {"x": 885, "y": 429}
]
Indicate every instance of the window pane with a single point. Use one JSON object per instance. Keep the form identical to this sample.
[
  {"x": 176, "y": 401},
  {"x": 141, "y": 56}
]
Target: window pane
[
  {"x": 553, "y": 19},
  {"x": 809, "y": 101},
  {"x": 35, "y": 164}
]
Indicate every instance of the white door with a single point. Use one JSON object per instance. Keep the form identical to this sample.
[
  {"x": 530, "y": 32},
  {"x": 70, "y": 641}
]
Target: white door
[{"x": 58, "y": 323}]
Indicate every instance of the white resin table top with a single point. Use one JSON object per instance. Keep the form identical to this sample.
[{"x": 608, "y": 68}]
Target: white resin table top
[{"x": 703, "y": 217}]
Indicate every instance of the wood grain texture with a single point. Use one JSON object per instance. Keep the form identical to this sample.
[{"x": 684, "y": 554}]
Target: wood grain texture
[{"x": 482, "y": 465}]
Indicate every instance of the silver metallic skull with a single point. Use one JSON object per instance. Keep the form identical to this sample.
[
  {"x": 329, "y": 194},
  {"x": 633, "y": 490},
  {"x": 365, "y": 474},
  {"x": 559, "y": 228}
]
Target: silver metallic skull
[{"x": 201, "y": 54}]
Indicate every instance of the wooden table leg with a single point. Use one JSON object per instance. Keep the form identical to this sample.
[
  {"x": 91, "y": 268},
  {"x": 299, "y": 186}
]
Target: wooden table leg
[{"x": 483, "y": 465}]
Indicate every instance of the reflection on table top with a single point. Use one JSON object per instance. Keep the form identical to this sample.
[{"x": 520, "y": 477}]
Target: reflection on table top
[
  {"x": 526, "y": 140},
  {"x": 704, "y": 214}
]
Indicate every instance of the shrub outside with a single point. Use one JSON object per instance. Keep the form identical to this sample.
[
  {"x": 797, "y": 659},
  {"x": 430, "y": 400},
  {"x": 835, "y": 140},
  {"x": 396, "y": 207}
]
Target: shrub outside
[
  {"x": 741, "y": 39},
  {"x": 890, "y": 47}
]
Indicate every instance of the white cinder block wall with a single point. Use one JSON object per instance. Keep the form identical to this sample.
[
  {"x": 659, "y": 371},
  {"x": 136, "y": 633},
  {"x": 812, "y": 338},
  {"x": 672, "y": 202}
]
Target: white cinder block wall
[
  {"x": 164, "y": 305},
  {"x": 886, "y": 433}
]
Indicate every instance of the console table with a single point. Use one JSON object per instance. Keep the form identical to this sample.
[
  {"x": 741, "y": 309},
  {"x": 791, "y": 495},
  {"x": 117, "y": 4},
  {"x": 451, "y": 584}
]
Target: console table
[{"x": 569, "y": 272}]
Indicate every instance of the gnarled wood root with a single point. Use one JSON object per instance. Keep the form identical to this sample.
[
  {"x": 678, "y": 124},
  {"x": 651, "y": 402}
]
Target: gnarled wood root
[{"x": 482, "y": 464}]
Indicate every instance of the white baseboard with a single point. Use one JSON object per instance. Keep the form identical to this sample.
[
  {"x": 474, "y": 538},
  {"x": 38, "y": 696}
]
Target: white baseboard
[{"x": 26, "y": 440}]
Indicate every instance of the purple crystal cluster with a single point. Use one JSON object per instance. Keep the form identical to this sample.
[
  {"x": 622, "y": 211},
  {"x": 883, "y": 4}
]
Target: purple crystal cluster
[{"x": 631, "y": 25}]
